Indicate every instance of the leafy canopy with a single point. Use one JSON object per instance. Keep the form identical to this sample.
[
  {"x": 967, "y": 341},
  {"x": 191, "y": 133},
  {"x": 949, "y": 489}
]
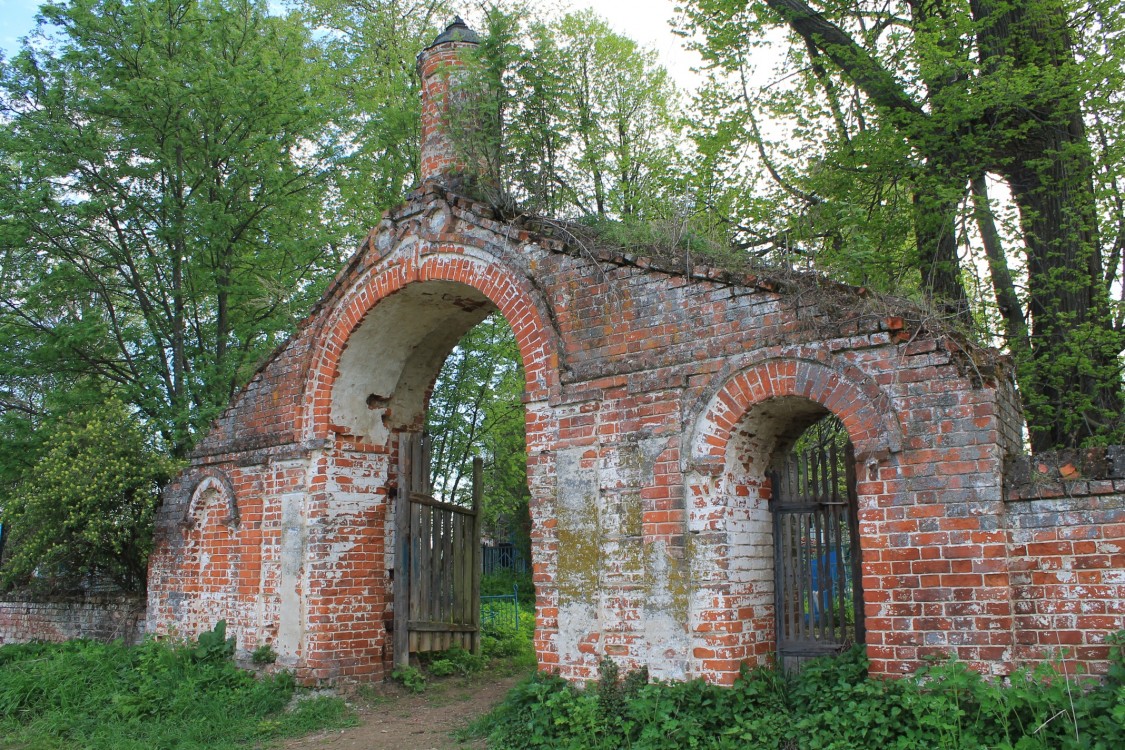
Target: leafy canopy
[{"x": 83, "y": 512}]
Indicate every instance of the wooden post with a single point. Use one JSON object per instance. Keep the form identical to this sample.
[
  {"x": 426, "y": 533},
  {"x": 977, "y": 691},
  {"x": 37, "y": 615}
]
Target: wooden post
[
  {"x": 474, "y": 552},
  {"x": 856, "y": 546},
  {"x": 402, "y": 554}
]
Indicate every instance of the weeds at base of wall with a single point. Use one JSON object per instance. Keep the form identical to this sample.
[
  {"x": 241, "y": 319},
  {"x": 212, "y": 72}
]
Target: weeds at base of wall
[
  {"x": 831, "y": 705},
  {"x": 507, "y": 630},
  {"x": 505, "y": 647},
  {"x": 83, "y": 694}
]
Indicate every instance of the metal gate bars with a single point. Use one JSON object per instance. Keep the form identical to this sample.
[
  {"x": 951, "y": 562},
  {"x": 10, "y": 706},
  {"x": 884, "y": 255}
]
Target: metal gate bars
[{"x": 818, "y": 599}]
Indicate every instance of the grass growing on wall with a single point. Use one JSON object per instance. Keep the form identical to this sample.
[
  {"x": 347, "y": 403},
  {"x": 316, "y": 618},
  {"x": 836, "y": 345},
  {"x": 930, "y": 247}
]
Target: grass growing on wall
[
  {"x": 831, "y": 705},
  {"x": 85, "y": 695}
]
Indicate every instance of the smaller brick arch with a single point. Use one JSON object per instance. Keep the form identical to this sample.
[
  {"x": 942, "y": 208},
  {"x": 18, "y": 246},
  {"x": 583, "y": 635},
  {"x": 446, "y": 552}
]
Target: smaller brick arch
[
  {"x": 214, "y": 484},
  {"x": 865, "y": 410},
  {"x": 751, "y": 414}
]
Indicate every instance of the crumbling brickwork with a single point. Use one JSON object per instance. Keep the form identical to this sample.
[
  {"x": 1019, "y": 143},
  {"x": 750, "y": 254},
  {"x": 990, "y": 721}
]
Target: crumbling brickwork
[
  {"x": 657, "y": 397},
  {"x": 1065, "y": 516},
  {"x": 100, "y": 617}
]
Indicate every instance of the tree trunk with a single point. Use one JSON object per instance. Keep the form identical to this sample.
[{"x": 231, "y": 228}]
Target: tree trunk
[
  {"x": 1007, "y": 300},
  {"x": 935, "y": 212},
  {"x": 1073, "y": 391},
  {"x": 1075, "y": 388}
]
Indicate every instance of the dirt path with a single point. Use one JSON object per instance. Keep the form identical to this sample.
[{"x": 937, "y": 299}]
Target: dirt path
[{"x": 393, "y": 719}]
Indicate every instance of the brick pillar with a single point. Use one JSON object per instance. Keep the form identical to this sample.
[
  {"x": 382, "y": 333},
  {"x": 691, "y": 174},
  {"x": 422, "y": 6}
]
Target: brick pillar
[{"x": 436, "y": 65}]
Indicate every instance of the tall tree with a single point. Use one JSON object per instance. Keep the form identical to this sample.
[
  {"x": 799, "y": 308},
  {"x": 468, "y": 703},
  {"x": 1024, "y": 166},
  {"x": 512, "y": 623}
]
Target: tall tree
[
  {"x": 968, "y": 89},
  {"x": 371, "y": 47},
  {"x": 581, "y": 121},
  {"x": 161, "y": 185},
  {"x": 476, "y": 409}
]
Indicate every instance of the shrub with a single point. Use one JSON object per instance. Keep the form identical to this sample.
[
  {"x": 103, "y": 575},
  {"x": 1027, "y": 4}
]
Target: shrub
[
  {"x": 831, "y": 705},
  {"x": 455, "y": 661},
  {"x": 264, "y": 654},
  {"x": 84, "y": 510},
  {"x": 502, "y": 639},
  {"x": 410, "y": 678}
]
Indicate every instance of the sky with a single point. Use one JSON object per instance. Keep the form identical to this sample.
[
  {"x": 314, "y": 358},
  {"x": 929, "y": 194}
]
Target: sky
[
  {"x": 17, "y": 17},
  {"x": 646, "y": 21}
]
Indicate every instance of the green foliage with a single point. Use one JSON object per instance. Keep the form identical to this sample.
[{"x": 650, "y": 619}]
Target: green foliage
[
  {"x": 164, "y": 203},
  {"x": 664, "y": 238},
  {"x": 411, "y": 678},
  {"x": 476, "y": 409},
  {"x": 371, "y": 47},
  {"x": 501, "y": 638},
  {"x": 83, "y": 509},
  {"x": 91, "y": 695},
  {"x": 503, "y": 582},
  {"x": 263, "y": 654},
  {"x": 866, "y": 156},
  {"x": 569, "y": 117},
  {"x": 213, "y": 645},
  {"x": 831, "y": 704},
  {"x": 455, "y": 661}
]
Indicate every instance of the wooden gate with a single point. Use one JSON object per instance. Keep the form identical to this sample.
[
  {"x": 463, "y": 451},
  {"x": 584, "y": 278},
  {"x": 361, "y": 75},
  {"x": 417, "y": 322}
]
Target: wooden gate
[
  {"x": 818, "y": 599},
  {"x": 437, "y": 560}
]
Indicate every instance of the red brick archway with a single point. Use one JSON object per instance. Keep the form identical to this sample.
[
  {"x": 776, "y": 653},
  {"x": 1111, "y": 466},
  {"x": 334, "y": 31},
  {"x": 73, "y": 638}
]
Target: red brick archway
[
  {"x": 512, "y": 297},
  {"x": 866, "y": 411},
  {"x": 750, "y": 414},
  {"x": 347, "y": 611}
]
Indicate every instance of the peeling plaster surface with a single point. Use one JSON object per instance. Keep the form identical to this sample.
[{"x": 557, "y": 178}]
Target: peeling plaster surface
[
  {"x": 395, "y": 353},
  {"x": 290, "y": 631}
]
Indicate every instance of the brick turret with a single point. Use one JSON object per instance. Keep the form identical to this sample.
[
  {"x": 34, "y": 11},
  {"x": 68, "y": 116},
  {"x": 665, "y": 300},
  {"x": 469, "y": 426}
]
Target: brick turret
[{"x": 436, "y": 64}]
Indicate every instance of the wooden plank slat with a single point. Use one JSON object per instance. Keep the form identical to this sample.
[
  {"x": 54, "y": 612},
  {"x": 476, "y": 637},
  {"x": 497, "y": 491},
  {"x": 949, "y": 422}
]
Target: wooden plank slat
[
  {"x": 447, "y": 569},
  {"x": 425, "y": 565},
  {"x": 459, "y": 587},
  {"x": 434, "y": 610},
  {"x": 440, "y": 626},
  {"x": 421, "y": 499},
  {"x": 475, "y": 551},
  {"x": 401, "y": 639},
  {"x": 427, "y": 485},
  {"x": 415, "y": 558}
]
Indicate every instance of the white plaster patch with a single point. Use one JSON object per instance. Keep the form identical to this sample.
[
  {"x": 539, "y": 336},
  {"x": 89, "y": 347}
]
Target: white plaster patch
[
  {"x": 665, "y": 637},
  {"x": 577, "y": 620},
  {"x": 294, "y": 533}
]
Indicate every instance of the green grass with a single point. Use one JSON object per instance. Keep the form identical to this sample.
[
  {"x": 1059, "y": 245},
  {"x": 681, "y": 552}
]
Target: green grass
[{"x": 81, "y": 695}]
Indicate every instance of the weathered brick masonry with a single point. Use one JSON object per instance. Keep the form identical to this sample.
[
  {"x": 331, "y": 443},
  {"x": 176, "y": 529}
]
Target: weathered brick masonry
[
  {"x": 656, "y": 400},
  {"x": 103, "y": 617}
]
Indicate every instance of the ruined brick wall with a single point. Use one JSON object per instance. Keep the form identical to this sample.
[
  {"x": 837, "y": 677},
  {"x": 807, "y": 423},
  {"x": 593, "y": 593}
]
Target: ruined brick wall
[
  {"x": 57, "y": 619},
  {"x": 658, "y": 396},
  {"x": 1065, "y": 516},
  {"x": 655, "y": 402}
]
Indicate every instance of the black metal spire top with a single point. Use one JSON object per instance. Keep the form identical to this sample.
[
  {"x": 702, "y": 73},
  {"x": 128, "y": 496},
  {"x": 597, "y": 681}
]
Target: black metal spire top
[{"x": 458, "y": 31}]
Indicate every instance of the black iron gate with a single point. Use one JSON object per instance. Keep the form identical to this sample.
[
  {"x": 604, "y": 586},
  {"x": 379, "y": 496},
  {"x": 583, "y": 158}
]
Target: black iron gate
[
  {"x": 818, "y": 599},
  {"x": 437, "y": 560}
]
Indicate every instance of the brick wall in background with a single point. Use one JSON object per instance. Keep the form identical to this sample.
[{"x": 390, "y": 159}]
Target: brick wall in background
[
  {"x": 57, "y": 619},
  {"x": 1065, "y": 516}
]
